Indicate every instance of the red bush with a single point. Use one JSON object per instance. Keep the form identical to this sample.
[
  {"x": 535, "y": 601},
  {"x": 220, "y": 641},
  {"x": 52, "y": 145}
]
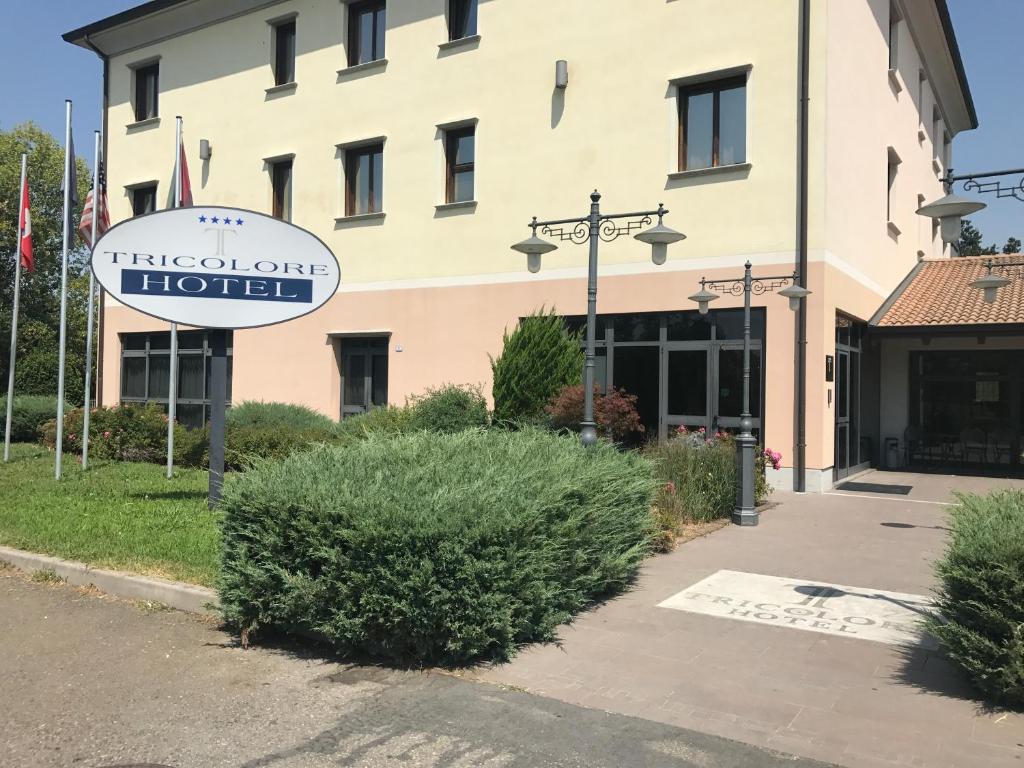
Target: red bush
[{"x": 615, "y": 413}]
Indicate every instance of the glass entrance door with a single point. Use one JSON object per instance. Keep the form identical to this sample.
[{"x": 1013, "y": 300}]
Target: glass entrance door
[
  {"x": 364, "y": 375},
  {"x": 728, "y": 406},
  {"x": 850, "y": 456},
  {"x": 687, "y": 387}
]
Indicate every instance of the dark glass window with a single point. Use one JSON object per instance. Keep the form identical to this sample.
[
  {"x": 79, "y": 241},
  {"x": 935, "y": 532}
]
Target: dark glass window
[
  {"x": 637, "y": 328},
  {"x": 366, "y": 23},
  {"x": 460, "y": 162},
  {"x": 143, "y": 199},
  {"x": 688, "y": 326},
  {"x": 364, "y": 179},
  {"x": 713, "y": 124},
  {"x": 147, "y": 85},
  {"x": 284, "y": 53},
  {"x": 281, "y": 182},
  {"x": 146, "y": 372},
  {"x": 730, "y": 383},
  {"x": 729, "y": 324},
  {"x": 461, "y": 19}
]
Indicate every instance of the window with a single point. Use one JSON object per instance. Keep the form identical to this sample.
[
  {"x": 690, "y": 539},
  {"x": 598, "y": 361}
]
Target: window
[
  {"x": 894, "y": 36},
  {"x": 364, "y": 179},
  {"x": 147, "y": 85},
  {"x": 143, "y": 199},
  {"x": 364, "y": 375},
  {"x": 281, "y": 185},
  {"x": 284, "y": 53},
  {"x": 146, "y": 372},
  {"x": 461, "y": 19},
  {"x": 366, "y": 22},
  {"x": 893, "y": 168},
  {"x": 460, "y": 163},
  {"x": 713, "y": 124}
]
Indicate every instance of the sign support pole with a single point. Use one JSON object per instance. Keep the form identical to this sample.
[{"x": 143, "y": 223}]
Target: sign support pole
[
  {"x": 218, "y": 406},
  {"x": 14, "y": 315}
]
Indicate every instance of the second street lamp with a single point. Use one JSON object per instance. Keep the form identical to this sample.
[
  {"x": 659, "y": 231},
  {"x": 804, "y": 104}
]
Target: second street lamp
[
  {"x": 592, "y": 229},
  {"x": 745, "y": 511}
]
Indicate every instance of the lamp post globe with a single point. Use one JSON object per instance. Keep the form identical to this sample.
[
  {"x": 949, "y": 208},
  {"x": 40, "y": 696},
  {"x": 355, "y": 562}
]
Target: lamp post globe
[
  {"x": 703, "y": 297},
  {"x": 660, "y": 237},
  {"x": 949, "y": 211},
  {"x": 990, "y": 285}
]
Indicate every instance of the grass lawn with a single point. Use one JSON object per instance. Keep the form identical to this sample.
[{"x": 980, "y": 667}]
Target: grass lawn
[{"x": 123, "y": 516}]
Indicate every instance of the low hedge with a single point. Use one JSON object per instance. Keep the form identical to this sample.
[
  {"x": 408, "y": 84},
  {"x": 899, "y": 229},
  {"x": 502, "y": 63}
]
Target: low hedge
[
  {"x": 256, "y": 413},
  {"x": 981, "y": 594},
  {"x": 449, "y": 408},
  {"x": 433, "y": 548},
  {"x": 28, "y": 415}
]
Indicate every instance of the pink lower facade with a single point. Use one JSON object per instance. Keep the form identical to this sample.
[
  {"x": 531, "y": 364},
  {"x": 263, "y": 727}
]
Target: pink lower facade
[{"x": 437, "y": 334}]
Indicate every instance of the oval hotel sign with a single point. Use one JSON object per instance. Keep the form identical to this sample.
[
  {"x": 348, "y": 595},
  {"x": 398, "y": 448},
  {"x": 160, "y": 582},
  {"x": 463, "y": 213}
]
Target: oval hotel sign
[{"x": 215, "y": 267}]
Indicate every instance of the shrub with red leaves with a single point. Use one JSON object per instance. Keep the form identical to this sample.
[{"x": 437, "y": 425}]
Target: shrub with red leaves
[{"x": 615, "y": 413}]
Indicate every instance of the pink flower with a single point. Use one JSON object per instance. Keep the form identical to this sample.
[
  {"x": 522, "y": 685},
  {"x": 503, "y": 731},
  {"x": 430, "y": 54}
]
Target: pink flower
[
  {"x": 106, "y": 434},
  {"x": 670, "y": 487},
  {"x": 701, "y": 431},
  {"x": 682, "y": 430}
]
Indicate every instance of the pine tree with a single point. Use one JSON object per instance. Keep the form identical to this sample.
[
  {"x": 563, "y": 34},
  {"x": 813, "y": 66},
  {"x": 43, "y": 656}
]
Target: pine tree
[
  {"x": 1012, "y": 246},
  {"x": 538, "y": 359}
]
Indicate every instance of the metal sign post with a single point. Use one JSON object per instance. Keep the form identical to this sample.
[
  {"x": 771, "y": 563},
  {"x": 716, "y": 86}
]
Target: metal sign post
[{"x": 218, "y": 408}]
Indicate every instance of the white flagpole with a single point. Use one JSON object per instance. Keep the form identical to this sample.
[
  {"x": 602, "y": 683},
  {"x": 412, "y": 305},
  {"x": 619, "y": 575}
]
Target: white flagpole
[
  {"x": 172, "y": 389},
  {"x": 14, "y": 316},
  {"x": 92, "y": 296},
  {"x": 64, "y": 291}
]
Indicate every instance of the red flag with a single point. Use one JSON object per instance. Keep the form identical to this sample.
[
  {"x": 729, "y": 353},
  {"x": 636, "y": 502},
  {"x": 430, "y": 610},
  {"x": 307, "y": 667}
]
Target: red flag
[
  {"x": 185, "y": 193},
  {"x": 102, "y": 223},
  {"x": 25, "y": 232}
]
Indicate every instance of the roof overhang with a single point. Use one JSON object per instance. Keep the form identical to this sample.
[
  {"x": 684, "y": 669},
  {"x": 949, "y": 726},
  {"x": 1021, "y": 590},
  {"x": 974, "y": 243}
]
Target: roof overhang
[
  {"x": 157, "y": 20},
  {"x": 931, "y": 25}
]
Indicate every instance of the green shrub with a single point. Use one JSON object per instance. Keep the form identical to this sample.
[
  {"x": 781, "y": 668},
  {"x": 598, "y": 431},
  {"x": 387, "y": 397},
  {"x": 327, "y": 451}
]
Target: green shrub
[
  {"x": 537, "y": 360},
  {"x": 245, "y": 444},
  {"x": 391, "y": 420},
  {"x": 29, "y": 414},
  {"x": 449, "y": 408},
  {"x": 614, "y": 413},
  {"x": 253, "y": 413},
  {"x": 981, "y": 594},
  {"x": 433, "y": 548}
]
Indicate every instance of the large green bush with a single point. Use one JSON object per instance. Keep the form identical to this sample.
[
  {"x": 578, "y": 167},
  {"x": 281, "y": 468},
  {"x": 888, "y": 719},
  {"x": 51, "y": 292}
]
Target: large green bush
[
  {"x": 29, "y": 414},
  {"x": 254, "y": 413},
  {"x": 122, "y": 433},
  {"x": 981, "y": 594},
  {"x": 449, "y": 409},
  {"x": 433, "y": 548},
  {"x": 247, "y": 443},
  {"x": 392, "y": 420},
  {"x": 538, "y": 359}
]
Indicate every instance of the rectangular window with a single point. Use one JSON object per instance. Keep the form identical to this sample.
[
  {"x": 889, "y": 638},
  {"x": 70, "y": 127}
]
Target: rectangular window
[
  {"x": 713, "y": 124},
  {"x": 284, "y": 53},
  {"x": 461, "y": 19},
  {"x": 364, "y": 179},
  {"x": 281, "y": 184},
  {"x": 366, "y": 23},
  {"x": 145, "y": 372},
  {"x": 143, "y": 199},
  {"x": 460, "y": 162},
  {"x": 892, "y": 170},
  {"x": 894, "y": 36},
  {"x": 147, "y": 85}
]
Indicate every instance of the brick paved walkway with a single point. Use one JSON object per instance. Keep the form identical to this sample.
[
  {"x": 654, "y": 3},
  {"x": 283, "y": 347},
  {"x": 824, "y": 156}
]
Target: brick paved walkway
[{"x": 843, "y": 700}]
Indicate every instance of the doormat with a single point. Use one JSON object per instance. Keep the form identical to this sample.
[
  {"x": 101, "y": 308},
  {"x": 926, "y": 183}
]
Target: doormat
[
  {"x": 861, "y": 613},
  {"x": 901, "y": 490}
]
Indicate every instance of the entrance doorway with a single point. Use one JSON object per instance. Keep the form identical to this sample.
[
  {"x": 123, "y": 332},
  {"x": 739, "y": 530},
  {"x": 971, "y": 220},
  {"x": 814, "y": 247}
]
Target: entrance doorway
[
  {"x": 852, "y": 454},
  {"x": 364, "y": 375},
  {"x": 703, "y": 385}
]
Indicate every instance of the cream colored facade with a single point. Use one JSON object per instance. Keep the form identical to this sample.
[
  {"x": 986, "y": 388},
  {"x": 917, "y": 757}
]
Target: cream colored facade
[{"x": 442, "y": 281}]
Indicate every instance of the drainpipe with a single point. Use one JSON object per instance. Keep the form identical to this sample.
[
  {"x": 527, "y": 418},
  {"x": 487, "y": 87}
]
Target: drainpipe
[
  {"x": 103, "y": 127},
  {"x": 799, "y": 483}
]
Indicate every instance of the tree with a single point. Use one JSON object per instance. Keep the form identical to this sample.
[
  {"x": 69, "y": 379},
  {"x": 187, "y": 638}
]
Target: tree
[
  {"x": 539, "y": 358},
  {"x": 970, "y": 241},
  {"x": 39, "y": 315},
  {"x": 1012, "y": 245}
]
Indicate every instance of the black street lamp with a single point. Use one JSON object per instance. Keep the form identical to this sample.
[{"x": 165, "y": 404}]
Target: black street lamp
[
  {"x": 592, "y": 229},
  {"x": 745, "y": 512}
]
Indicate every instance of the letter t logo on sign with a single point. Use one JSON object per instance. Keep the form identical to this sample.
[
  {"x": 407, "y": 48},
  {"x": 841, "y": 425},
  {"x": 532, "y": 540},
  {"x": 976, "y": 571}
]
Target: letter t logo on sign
[{"x": 220, "y": 239}]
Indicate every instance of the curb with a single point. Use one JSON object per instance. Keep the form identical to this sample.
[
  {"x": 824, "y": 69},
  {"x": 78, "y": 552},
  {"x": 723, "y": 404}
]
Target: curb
[{"x": 184, "y": 597}]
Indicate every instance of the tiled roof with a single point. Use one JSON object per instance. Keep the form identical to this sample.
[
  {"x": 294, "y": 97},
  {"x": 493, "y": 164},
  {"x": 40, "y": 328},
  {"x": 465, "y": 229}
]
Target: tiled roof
[{"x": 938, "y": 292}]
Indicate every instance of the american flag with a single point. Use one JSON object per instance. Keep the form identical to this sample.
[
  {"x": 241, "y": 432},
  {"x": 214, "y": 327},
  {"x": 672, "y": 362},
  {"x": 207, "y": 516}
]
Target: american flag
[{"x": 103, "y": 223}]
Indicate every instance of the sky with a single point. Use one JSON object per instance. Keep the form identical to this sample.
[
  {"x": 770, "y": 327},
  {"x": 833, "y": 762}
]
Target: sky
[{"x": 49, "y": 71}]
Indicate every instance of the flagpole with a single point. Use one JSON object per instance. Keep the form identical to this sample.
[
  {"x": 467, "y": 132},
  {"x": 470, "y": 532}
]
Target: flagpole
[
  {"x": 14, "y": 316},
  {"x": 96, "y": 212},
  {"x": 172, "y": 389},
  {"x": 64, "y": 289}
]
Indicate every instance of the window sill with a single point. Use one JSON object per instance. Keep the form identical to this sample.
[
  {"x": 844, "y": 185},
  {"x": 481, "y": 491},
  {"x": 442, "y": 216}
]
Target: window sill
[
  {"x": 360, "y": 70},
  {"x": 894, "y": 231},
  {"x": 718, "y": 170},
  {"x": 937, "y": 166},
  {"x": 282, "y": 90},
  {"x": 463, "y": 43},
  {"x": 922, "y": 136},
  {"x": 895, "y": 82},
  {"x": 465, "y": 205},
  {"x": 143, "y": 125},
  {"x": 360, "y": 218}
]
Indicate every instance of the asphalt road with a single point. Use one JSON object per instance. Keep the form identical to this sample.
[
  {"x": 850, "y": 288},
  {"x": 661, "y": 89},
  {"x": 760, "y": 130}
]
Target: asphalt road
[{"x": 92, "y": 681}]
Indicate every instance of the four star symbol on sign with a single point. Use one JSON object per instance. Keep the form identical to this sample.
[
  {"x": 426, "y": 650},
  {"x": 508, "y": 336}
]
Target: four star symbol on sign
[{"x": 217, "y": 220}]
